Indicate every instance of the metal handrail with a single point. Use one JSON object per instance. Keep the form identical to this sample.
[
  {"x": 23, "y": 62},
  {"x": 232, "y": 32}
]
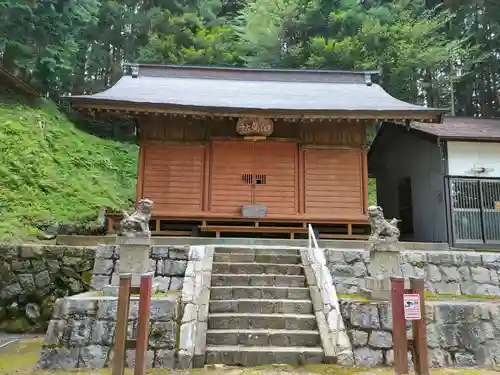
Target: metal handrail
[
  {"x": 312, "y": 237},
  {"x": 317, "y": 257}
]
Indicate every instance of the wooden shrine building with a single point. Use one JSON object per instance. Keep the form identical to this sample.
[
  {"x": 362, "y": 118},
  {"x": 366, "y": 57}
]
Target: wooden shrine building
[{"x": 253, "y": 151}]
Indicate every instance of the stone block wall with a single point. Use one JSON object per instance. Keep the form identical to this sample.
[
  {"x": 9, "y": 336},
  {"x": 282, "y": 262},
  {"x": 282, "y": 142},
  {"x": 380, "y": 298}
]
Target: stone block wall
[
  {"x": 168, "y": 262},
  {"x": 459, "y": 334},
  {"x": 445, "y": 272},
  {"x": 33, "y": 277},
  {"x": 81, "y": 332},
  {"x": 195, "y": 304},
  {"x": 334, "y": 339}
]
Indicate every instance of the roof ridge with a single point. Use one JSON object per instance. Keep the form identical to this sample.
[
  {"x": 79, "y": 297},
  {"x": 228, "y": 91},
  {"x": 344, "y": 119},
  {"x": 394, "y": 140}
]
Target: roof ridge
[{"x": 247, "y": 69}]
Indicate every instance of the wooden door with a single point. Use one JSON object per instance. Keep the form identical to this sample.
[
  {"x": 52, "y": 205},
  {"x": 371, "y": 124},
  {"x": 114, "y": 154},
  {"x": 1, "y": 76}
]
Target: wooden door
[
  {"x": 275, "y": 177},
  {"x": 245, "y": 172},
  {"x": 333, "y": 183},
  {"x": 173, "y": 178},
  {"x": 231, "y": 162}
]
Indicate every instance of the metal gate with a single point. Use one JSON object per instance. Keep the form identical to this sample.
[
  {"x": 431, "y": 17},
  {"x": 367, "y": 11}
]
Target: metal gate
[{"x": 475, "y": 210}]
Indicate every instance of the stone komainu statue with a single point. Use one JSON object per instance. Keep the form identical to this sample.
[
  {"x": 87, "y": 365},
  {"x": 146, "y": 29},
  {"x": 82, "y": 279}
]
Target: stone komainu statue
[
  {"x": 138, "y": 222},
  {"x": 382, "y": 230}
]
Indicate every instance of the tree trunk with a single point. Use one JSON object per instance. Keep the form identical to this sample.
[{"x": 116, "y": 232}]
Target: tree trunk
[{"x": 9, "y": 57}]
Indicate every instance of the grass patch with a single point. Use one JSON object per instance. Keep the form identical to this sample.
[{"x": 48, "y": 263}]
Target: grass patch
[
  {"x": 467, "y": 297},
  {"x": 357, "y": 297},
  {"x": 20, "y": 357},
  {"x": 50, "y": 170},
  {"x": 161, "y": 294},
  {"x": 433, "y": 297}
]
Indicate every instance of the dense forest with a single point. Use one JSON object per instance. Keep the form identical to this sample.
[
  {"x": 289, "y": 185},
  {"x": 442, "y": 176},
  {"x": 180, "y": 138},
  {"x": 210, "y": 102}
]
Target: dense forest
[{"x": 441, "y": 53}]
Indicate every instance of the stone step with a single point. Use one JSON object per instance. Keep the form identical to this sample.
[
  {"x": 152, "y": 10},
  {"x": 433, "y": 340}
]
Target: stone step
[
  {"x": 258, "y": 292},
  {"x": 261, "y": 321},
  {"x": 256, "y": 268},
  {"x": 257, "y": 257},
  {"x": 258, "y": 280},
  {"x": 251, "y": 356},
  {"x": 263, "y": 337},
  {"x": 264, "y": 306},
  {"x": 256, "y": 250}
]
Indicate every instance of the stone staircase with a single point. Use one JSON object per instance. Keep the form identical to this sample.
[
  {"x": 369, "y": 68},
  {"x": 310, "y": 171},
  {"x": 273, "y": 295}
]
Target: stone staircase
[{"x": 260, "y": 309}]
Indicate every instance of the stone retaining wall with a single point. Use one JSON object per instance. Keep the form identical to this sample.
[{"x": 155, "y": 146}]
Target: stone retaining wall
[
  {"x": 459, "y": 334},
  {"x": 446, "y": 272},
  {"x": 81, "y": 332},
  {"x": 334, "y": 339},
  {"x": 32, "y": 277},
  {"x": 168, "y": 262},
  {"x": 195, "y": 305}
]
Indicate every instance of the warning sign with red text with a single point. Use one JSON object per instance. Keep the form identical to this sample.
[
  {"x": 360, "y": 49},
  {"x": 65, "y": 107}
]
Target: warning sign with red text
[{"x": 412, "y": 307}]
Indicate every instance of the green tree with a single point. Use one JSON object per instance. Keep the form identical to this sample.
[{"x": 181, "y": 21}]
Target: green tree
[{"x": 39, "y": 38}]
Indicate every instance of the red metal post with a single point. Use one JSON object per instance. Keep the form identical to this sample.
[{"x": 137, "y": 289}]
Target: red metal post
[
  {"x": 399, "y": 339},
  {"x": 121, "y": 324},
  {"x": 142, "y": 336},
  {"x": 419, "y": 328}
]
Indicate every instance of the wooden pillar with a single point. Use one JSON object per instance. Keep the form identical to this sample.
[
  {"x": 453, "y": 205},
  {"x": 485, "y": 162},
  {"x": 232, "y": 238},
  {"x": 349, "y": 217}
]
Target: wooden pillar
[
  {"x": 421, "y": 362},
  {"x": 364, "y": 179},
  {"x": 142, "y": 337},
  {"x": 206, "y": 178},
  {"x": 141, "y": 164},
  {"x": 121, "y": 324},
  {"x": 302, "y": 181},
  {"x": 399, "y": 339}
]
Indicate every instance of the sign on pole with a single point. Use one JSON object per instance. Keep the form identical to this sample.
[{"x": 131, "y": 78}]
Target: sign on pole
[{"x": 412, "y": 306}]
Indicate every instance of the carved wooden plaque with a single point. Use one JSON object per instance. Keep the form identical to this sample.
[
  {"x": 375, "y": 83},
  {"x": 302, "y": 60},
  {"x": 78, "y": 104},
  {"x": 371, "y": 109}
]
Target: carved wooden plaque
[
  {"x": 255, "y": 126},
  {"x": 254, "y": 211}
]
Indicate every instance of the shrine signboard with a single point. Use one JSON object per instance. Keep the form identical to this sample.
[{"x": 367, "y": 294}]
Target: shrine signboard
[{"x": 258, "y": 126}]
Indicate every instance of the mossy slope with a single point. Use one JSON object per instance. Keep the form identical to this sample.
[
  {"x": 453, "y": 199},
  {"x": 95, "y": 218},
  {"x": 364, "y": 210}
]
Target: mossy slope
[{"x": 50, "y": 170}]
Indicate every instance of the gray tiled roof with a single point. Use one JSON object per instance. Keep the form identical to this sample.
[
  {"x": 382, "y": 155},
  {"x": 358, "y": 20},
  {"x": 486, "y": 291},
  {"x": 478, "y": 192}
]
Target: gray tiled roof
[
  {"x": 253, "y": 90},
  {"x": 473, "y": 128}
]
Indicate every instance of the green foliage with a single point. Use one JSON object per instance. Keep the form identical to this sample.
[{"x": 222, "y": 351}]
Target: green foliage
[
  {"x": 372, "y": 191},
  {"x": 49, "y": 170},
  {"x": 430, "y": 53}
]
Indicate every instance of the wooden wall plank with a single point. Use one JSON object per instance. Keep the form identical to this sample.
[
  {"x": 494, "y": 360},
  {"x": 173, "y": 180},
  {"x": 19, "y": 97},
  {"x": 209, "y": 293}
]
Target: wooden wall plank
[
  {"x": 333, "y": 183},
  {"x": 173, "y": 178}
]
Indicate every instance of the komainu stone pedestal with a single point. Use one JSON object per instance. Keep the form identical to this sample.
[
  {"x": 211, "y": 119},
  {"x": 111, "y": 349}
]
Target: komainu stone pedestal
[
  {"x": 385, "y": 255},
  {"x": 383, "y": 266},
  {"x": 134, "y": 259},
  {"x": 134, "y": 256}
]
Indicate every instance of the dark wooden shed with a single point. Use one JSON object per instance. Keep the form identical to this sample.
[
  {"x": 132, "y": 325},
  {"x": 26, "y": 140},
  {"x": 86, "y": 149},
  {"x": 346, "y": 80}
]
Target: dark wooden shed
[
  {"x": 442, "y": 180},
  {"x": 253, "y": 150}
]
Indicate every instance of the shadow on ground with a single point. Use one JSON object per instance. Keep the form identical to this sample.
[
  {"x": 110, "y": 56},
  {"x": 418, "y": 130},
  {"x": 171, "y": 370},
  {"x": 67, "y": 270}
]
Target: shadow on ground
[{"x": 20, "y": 359}]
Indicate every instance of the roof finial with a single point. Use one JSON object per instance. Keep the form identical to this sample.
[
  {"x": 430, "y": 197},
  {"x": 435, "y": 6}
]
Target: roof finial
[
  {"x": 368, "y": 78},
  {"x": 135, "y": 71}
]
